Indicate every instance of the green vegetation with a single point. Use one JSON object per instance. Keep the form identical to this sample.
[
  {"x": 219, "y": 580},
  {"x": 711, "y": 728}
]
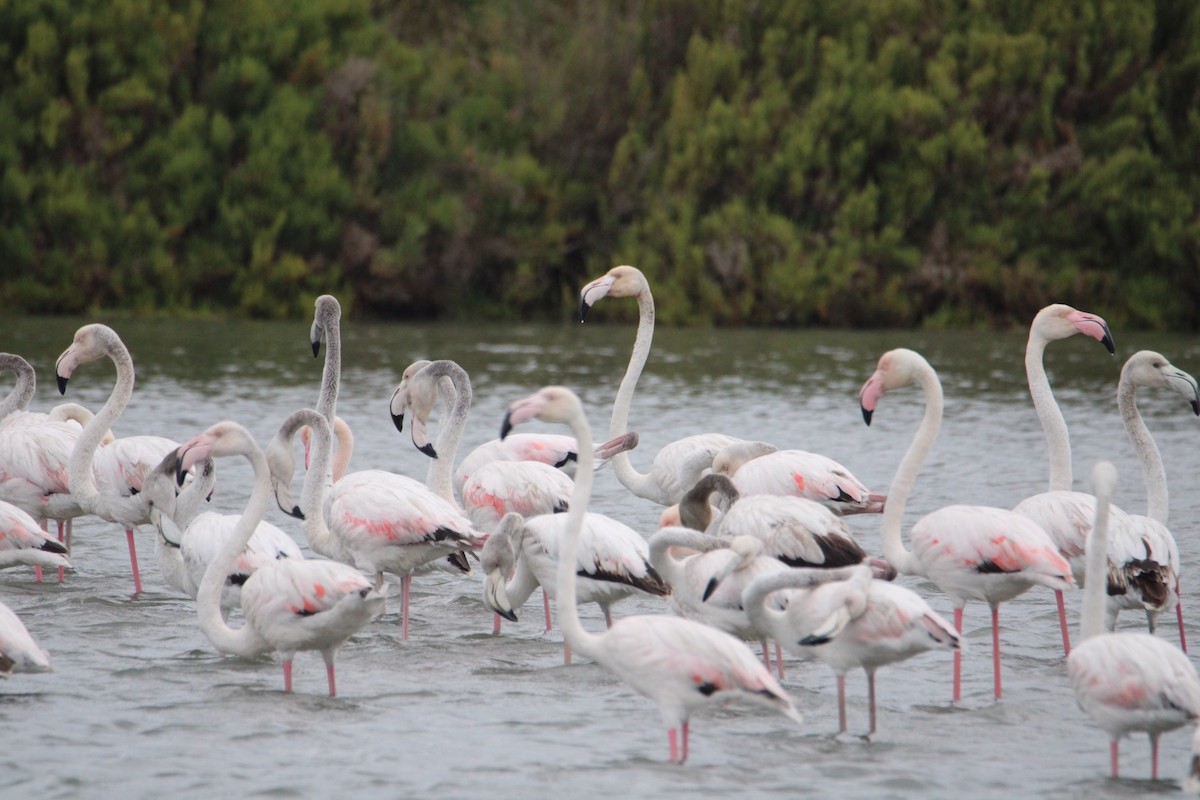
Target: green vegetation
[{"x": 861, "y": 162}]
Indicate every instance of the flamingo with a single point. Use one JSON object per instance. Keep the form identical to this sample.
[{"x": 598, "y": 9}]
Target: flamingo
[
  {"x": 107, "y": 481},
  {"x": 22, "y": 541},
  {"x": 694, "y": 510},
  {"x": 1150, "y": 369},
  {"x": 969, "y": 552},
  {"x": 680, "y": 664},
  {"x": 679, "y": 463},
  {"x": 1125, "y": 681},
  {"x": 289, "y": 604},
  {"x": 889, "y": 624},
  {"x": 759, "y": 468},
  {"x": 18, "y": 650},
  {"x": 613, "y": 563}
]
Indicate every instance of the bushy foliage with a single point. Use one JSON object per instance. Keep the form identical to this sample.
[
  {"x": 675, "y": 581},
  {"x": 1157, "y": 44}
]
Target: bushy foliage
[{"x": 867, "y": 162}]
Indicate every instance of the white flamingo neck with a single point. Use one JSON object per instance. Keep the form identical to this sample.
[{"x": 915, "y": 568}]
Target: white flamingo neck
[
  {"x": 1092, "y": 616},
  {"x": 315, "y": 489},
  {"x": 588, "y": 644},
  {"x": 80, "y": 477},
  {"x": 1154, "y": 473},
  {"x": 455, "y": 386},
  {"x": 1054, "y": 425},
  {"x": 242, "y": 641},
  {"x": 22, "y": 394},
  {"x": 331, "y": 374},
  {"x": 906, "y": 475},
  {"x": 638, "y": 483},
  {"x": 669, "y": 568}
]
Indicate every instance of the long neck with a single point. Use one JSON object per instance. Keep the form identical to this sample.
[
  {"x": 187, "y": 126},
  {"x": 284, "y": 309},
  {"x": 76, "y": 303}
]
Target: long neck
[
  {"x": 442, "y": 469},
  {"x": 314, "y": 490},
  {"x": 22, "y": 394},
  {"x": 243, "y": 641},
  {"x": 79, "y": 469},
  {"x": 586, "y": 643},
  {"x": 1153, "y": 471},
  {"x": 191, "y": 497},
  {"x": 1091, "y": 620},
  {"x": 906, "y": 475},
  {"x": 768, "y": 620},
  {"x": 331, "y": 375},
  {"x": 345, "y": 449},
  {"x": 1049, "y": 414},
  {"x": 668, "y": 567},
  {"x": 630, "y": 478}
]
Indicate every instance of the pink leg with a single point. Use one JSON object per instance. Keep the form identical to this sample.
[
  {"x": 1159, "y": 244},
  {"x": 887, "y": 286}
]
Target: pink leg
[
  {"x": 37, "y": 573},
  {"x": 405, "y": 582},
  {"x": 672, "y": 740},
  {"x": 137, "y": 576},
  {"x": 566, "y": 653},
  {"x": 1179, "y": 617},
  {"x": 766, "y": 655},
  {"x": 685, "y": 743},
  {"x": 841, "y": 687},
  {"x": 287, "y": 675},
  {"x": 779, "y": 658},
  {"x": 958, "y": 624},
  {"x": 1154, "y": 756},
  {"x": 546, "y": 607},
  {"x": 607, "y": 616},
  {"x": 70, "y": 527},
  {"x": 1062, "y": 621},
  {"x": 1112, "y": 757},
  {"x": 871, "y": 698},
  {"x": 996, "y": 648},
  {"x": 332, "y": 680},
  {"x": 62, "y": 525},
  {"x": 496, "y": 624}
]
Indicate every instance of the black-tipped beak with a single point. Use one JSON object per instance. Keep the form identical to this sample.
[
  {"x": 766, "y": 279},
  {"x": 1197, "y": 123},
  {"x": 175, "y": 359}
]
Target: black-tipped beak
[
  {"x": 583, "y": 309},
  {"x": 428, "y": 450},
  {"x": 708, "y": 590},
  {"x": 1107, "y": 341},
  {"x": 866, "y": 415},
  {"x": 506, "y": 426},
  {"x": 398, "y": 421},
  {"x": 180, "y": 474},
  {"x": 316, "y": 347},
  {"x": 508, "y": 615},
  {"x": 810, "y": 641},
  {"x": 62, "y": 384},
  {"x": 295, "y": 512},
  {"x": 1196, "y": 407}
]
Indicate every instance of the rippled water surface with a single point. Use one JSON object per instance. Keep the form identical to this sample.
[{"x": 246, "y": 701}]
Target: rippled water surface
[{"x": 140, "y": 704}]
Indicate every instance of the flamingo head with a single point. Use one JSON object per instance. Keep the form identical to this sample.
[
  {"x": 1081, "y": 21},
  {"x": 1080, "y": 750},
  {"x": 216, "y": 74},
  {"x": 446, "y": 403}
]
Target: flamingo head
[
  {"x": 328, "y": 314},
  {"x": 400, "y": 402},
  {"x": 730, "y": 458},
  {"x": 549, "y": 404},
  {"x": 91, "y": 342},
  {"x": 1061, "y": 321},
  {"x": 623, "y": 281},
  {"x": 896, "y": 369},
  {"x": 1148, "y": 368}
]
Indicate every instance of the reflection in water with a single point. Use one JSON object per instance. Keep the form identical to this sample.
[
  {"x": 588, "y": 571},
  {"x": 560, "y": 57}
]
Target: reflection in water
[{"x": 141, "y": 705}]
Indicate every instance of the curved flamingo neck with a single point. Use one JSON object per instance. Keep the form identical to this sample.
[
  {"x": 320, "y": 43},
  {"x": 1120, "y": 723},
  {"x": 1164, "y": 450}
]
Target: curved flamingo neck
[
  {"x": 770, "y": 621},
  {"x": 455, "y": 387},
  {"x": 906, "y": 475},
  {"x": 345, "y": 448},
  {"x": 317, "y": 479},
  {"x": 666, "y": 565},
  {"x": 1154, "y": 473},
  {"x": 1049, "y": 414},
  {"x": 79, "y": 469},
  {"x": 22, "y": 394},
  {"x": 586, "y": 643},
  {"x": 636, "y": 482},
  {"x": 242, "y": 641},
  {"x": 331, "y": 375},
  {"x": 522, "y": 584}
]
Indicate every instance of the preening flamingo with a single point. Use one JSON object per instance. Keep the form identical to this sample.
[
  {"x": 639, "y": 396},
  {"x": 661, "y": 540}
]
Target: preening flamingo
[
  {"x": 695, "y": 509},
  {"x": 612, "y": 563},
  {"x": 759, "y": 468},
  {"x": 22, "y": 541},
  {"x": 677, "y": 465},
  {"x": 289, "y": 604},
  {"x": 970, "y": 552},
  {"x": 18, "y": 651},
  {"x": 1125, "y": 682},
  {"x": 680, "y": 664}
]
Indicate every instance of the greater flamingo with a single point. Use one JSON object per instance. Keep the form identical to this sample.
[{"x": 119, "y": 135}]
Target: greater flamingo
[
  {"x": 1125, "y": 681},
  {"x": 22, "y": 541},
  {"x": 612, "y": 563},
  {"x": 677, "y": 464},
  {"x": 759, "y": 468},
  {"x": 970, "y": 552},
  {"x": 18, "y": 650},
  {"x": 680, "y": 664},
  {"x": 289, "y": 604},
  {"x": 695, "y": 509}
]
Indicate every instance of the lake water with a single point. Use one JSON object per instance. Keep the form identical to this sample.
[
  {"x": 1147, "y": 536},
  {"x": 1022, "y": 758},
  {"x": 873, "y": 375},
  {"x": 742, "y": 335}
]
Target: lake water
[{"x": 141, "y": 705}]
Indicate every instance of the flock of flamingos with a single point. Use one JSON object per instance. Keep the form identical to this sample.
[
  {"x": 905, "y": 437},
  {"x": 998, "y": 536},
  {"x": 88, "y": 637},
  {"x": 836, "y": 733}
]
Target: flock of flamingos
[{"x": 752, "y": 548}]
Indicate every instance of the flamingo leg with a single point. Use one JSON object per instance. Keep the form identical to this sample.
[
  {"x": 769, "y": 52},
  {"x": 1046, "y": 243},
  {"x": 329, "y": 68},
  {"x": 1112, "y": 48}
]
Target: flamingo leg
[
  {"x": 1112, "y": 757},
  {"x": 496, "y": 624},
  {"x": 996, "y": 649},
  {"x": 1154, "y": 756},
  {"x": 405, "y": 582},
  {"x": 841, "y": 687},
  {"x": 607, "y": 616},
  {"x": 137, "y": 576},
  {"x": 566, "y": 653},
  {"x": 61, "y": 526},
  {"x": 1179, "y": 617},
  {"x": 871, "y": 699},
  {"x": 546, "y": 608},
  {"x": 329, "y": 663},
  {"x": 287, "y": 675},
  {"x": 766, "y": 655},
  {"x": 779, "y": 658},
  {"x": 37, "y": 568},
  {"x": 673, "y": 742},
  {"x": 684, "y": 727},
  {"x": 958, "y": 625},
  {"x": 1062, "y": 621}
]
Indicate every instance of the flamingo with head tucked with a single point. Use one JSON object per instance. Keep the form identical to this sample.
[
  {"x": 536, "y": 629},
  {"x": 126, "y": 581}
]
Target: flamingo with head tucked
[
  {"x": 969, "y": 552},
  {"x": 18, "y": 650},
  {"x": 680, "y": 664}
]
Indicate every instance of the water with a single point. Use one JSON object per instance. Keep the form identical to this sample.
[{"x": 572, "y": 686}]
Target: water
[{"x": 140, "y": 705}]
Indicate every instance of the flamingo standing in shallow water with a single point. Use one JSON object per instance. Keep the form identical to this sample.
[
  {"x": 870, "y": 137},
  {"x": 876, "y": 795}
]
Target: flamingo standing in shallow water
[
  {"x": 680, "y": 664},
  {"x": 1126, "y": 681},
  {"x": 970, "y": 552},
  {"x": 289, "y": 604}
]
